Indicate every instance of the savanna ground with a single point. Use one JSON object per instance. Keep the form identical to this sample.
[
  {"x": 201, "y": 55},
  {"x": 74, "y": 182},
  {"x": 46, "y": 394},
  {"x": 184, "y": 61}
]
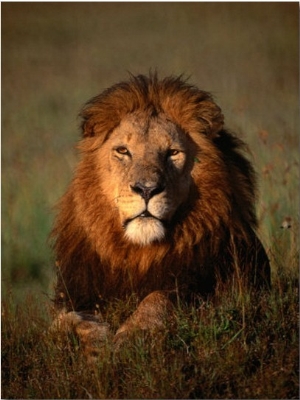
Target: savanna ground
[{"x": 55, "y": 56}]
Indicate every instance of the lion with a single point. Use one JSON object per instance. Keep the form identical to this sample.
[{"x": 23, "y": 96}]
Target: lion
[{"x": 161, "y": 206}]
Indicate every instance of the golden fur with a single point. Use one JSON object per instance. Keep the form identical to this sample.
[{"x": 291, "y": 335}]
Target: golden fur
[{"x": 162, "y": 200}]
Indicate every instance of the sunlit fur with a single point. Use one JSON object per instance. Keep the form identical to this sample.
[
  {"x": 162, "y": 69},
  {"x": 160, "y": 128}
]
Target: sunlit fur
[{"x": 205, "y": 222}]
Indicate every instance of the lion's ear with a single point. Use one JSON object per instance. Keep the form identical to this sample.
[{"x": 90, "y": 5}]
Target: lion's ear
[
  {"x": 212, "y": 116},
  {"x": 90, "y": 116},
  {"x": 98, "y": 120},
  {"x": 88, "y": 128},
  {"x": 91, "y": 129}
]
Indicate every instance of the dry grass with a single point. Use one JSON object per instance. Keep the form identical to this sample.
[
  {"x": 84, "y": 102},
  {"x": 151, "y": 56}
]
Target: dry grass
[{"x": 238, "y": 347}]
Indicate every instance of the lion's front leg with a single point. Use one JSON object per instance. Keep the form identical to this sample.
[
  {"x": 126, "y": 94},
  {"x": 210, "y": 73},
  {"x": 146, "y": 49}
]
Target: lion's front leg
[
  {"x": 92, "y": 333},
  {"x": 152, "y": 314}
]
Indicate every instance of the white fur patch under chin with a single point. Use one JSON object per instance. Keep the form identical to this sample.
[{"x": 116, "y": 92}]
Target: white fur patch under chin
[{"x": 144, "y": 231}]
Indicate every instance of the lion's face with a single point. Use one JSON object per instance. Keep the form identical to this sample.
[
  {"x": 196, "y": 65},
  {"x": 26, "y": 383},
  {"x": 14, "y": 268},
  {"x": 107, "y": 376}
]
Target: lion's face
[{"x": 148, "y": 175}]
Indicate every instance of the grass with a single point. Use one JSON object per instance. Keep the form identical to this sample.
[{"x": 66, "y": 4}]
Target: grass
[
  {"x": 236, "y": 347},
  {"x": 55, "y": 56}
]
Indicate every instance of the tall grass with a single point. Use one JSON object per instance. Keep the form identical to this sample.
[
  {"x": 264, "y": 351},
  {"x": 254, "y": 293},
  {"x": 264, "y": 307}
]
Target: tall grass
[
  {"x": 236, "y": 347},
  {"x": 57, "y": 55}
]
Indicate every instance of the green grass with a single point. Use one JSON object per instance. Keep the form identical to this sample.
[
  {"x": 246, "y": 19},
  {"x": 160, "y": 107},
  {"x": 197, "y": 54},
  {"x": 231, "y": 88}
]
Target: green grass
[{"x": 55, "y": 56}]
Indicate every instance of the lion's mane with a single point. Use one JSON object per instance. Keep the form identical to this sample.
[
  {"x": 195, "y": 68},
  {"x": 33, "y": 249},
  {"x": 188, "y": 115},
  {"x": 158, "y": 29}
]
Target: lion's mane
[{"x": 212, "y": 230}]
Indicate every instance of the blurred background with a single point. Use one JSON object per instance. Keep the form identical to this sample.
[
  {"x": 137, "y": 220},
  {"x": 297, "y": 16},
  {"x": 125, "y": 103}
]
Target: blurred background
[{"x": 55, "y": 56}]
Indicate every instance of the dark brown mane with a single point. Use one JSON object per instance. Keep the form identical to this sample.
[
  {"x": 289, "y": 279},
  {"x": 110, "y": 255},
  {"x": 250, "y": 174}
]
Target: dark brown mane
[{"x": 186, "y": 105}]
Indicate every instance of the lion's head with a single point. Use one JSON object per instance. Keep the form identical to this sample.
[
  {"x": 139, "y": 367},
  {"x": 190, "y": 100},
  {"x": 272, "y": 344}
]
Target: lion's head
[
  {"x": 162, "y": 191},
  {"x": 146, "y": 174},
  {"x": 151, "y": 140}
]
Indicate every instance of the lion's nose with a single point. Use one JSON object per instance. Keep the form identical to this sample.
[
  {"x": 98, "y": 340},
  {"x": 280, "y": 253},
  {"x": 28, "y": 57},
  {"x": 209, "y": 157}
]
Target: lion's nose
[{"x": 146, "y": 192}]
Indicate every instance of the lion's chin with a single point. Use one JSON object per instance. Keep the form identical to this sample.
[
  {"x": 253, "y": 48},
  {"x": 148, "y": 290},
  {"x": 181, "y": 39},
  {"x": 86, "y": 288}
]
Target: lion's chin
[{"x": 144, "y": 231}]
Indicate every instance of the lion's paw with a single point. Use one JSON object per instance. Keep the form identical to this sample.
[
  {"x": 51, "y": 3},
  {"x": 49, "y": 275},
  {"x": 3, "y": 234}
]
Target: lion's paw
[
  {"x": 119, "y": 340},
  {"x": 92, "y": 333}
]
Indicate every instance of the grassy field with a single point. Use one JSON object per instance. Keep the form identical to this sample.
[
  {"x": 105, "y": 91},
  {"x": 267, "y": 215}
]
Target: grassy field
[{"x": 55, "y": 56}]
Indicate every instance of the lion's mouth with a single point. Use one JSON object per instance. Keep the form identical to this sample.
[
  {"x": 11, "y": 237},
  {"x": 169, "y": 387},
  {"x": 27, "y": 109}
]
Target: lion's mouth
[{"x": 144, "y": 215}]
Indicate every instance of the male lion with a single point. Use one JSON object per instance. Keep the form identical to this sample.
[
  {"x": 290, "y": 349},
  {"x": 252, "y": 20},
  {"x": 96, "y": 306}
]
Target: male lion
[{"x": 161, "y": 206}]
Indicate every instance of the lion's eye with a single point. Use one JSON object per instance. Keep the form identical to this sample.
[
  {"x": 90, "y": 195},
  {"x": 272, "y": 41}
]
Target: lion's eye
[
  {"x": 122, "y": 150},
  {"x": 173, "y": 152}
]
